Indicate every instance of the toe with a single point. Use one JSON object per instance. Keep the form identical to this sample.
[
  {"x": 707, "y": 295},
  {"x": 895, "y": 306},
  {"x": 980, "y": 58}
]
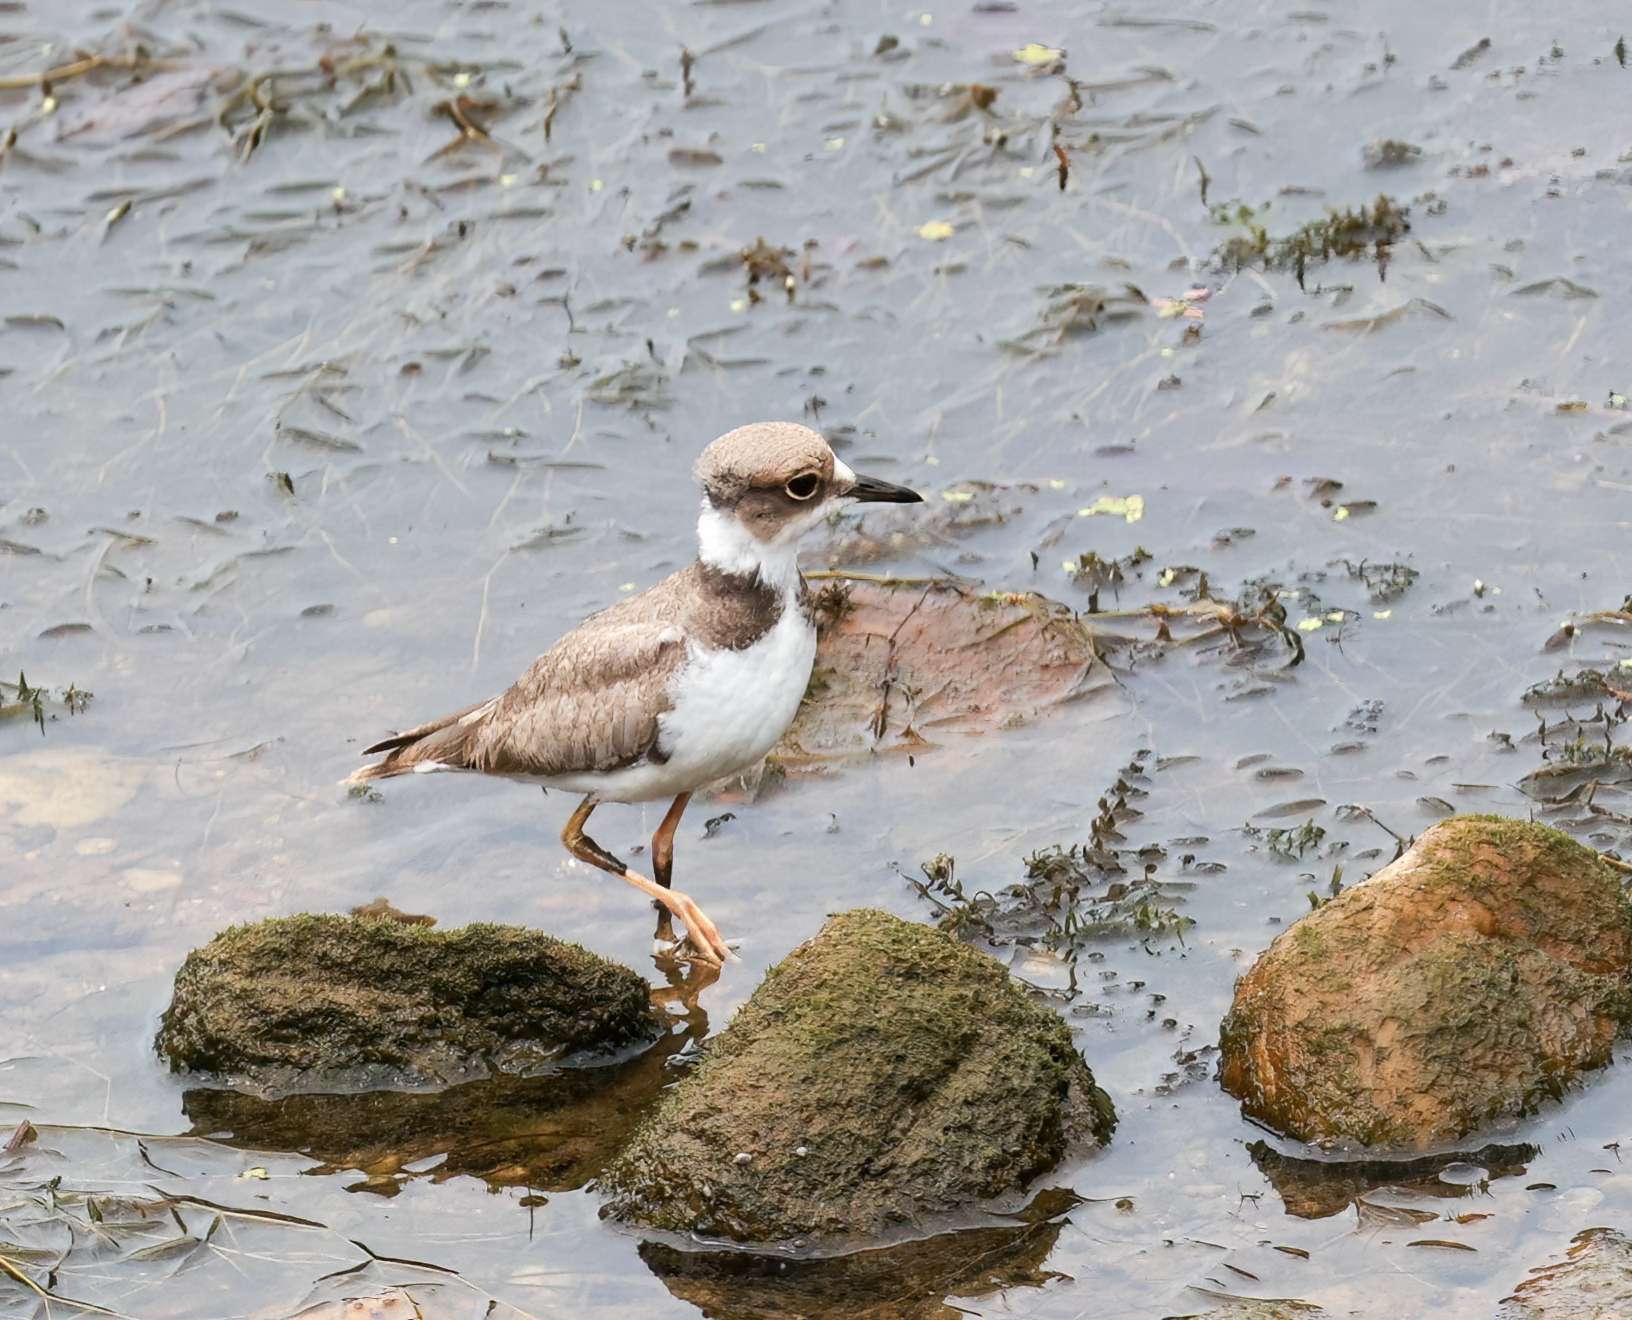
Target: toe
[{"x": 705, "y": 936}]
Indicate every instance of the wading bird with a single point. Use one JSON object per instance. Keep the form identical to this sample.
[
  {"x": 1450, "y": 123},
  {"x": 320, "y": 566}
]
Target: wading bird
[{"x": 692, "y": 680}]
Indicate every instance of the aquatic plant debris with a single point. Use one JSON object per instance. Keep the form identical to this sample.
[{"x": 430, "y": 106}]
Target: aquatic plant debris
[
  {"x": 1073, "y": 896},
  {"x": 1035, "y": 53},
  {"x": 1350, "y": 233},
  {"x": 936, "y": 230},
  {"x": 37, "y": 703},
  {"x": 130, "y": 1224}
]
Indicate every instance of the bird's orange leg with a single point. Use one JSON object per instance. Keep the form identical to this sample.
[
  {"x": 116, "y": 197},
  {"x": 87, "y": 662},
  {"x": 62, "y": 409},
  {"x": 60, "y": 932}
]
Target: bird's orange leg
[
  {"x": 663, "y": 840},
  {"x": 663, "y": 862},
  {"x": 705, "y": 936}
]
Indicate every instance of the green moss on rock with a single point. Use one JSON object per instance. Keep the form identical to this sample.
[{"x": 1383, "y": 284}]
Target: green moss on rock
[
  {"x": 881, "y": 1073},
  {"x": 1467, "y": 981},
  {"x": 324, "y": 1002}
]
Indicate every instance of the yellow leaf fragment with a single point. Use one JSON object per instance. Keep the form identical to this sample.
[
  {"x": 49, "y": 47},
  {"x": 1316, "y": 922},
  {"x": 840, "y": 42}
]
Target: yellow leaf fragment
[
  {"x": 1035, "y": 53},
  {"x": 1311, "y": 625},
  {"x": 256, "y": 1172},
  {"x": 1131, "y": 507},
  {"x": 1382, "y": 614},
  {"x": 1340, "y": 513},
  {"x": 957, "y": 496},
  {"x": 936, "y": 230}
]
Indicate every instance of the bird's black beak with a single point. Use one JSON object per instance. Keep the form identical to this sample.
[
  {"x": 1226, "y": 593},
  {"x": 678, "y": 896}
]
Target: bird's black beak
[{"x": 875, "y": 491}]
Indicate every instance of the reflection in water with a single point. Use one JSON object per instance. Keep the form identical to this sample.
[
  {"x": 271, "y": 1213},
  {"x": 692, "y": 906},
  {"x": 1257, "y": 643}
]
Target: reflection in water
[
  {"x": 552, "y": 1132},
  {"x": 908, "y": 1281},
  {"x": 1314, "y": 1189}
]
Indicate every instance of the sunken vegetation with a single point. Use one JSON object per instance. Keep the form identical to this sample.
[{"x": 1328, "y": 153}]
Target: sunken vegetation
[
  {"x": 881, "y": 1073},
  {"x": 1468, "y": 981},
  {"x": 324, "y": 1002}
]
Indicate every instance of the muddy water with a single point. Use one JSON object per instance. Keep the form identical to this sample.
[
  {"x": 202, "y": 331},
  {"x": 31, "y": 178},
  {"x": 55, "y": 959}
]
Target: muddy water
[{"x": 332, "y": 399}]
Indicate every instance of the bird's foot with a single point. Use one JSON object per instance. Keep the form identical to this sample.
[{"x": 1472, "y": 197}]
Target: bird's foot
[
  {"x": 701, "y": 933},
  {"x": 686, "y": 976}
]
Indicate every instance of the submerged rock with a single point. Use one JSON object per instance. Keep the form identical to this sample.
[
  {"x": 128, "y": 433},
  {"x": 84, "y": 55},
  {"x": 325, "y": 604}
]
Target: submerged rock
[
  {"x": 1592, "y": 1282},
  {"x": 882, "y": 1073},
  {"x": 311, "y": 1003},
  {"x": 1466, "y": 982},
  {"x": 899, "y": 665}
]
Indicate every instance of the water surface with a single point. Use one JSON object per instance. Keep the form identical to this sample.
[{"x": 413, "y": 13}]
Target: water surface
[{"x": 334, "y": 398}]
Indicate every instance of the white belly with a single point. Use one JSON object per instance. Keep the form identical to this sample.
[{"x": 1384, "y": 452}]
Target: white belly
[{"x": 730, "y": 707}]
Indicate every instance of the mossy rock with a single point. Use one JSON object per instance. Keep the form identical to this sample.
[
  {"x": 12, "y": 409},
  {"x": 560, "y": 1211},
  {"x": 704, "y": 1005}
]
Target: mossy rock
[
  {"x": 313, "y": 1003},
  {"x": 883, "y": 1072},
  {"x": 1467, "y": 982},
  {"x": 1592, "y": 1282}
]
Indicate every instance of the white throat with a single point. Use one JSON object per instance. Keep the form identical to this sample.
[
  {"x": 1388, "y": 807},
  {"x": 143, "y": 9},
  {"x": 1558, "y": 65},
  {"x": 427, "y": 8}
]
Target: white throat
[{"x": 725, "y": 544}]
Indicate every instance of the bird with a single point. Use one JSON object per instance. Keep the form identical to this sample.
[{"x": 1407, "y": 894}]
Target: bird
[{"x": 689, "y": 681}]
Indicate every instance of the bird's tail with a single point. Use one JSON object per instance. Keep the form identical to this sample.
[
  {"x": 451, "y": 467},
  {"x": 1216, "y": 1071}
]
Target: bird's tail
[{"x": 443, "y": 743}]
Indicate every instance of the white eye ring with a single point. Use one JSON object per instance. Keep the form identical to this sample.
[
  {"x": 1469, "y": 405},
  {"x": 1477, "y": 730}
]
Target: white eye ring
[{"x": 804, "y": 486}]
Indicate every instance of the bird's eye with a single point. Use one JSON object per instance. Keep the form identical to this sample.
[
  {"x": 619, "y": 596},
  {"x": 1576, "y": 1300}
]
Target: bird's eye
[{"x": 804, "y": 486}]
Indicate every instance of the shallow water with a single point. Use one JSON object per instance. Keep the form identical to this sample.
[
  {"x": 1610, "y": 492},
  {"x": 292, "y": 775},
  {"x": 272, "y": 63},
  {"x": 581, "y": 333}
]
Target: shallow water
[{"x": 338, "y": 432}]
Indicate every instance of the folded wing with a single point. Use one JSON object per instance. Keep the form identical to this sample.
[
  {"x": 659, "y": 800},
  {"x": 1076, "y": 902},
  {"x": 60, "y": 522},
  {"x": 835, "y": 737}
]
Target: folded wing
[{"x": 590, "y": 703}]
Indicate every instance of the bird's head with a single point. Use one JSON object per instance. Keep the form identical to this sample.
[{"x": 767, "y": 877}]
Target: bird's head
[{"x": 774, "y": 481}]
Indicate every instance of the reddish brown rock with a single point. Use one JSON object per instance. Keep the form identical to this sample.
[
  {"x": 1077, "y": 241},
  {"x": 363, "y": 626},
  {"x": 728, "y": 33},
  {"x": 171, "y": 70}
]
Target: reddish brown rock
[{"x": 1468, "y": 981}]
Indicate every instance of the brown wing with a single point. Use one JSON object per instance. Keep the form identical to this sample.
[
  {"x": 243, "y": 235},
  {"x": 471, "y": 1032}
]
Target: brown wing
[{"x": 589, "y": 703}]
